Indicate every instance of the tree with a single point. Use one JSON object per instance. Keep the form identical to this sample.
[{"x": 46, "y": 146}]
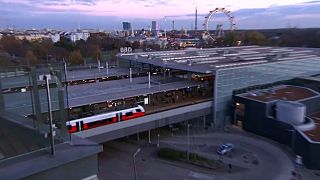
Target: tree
[
  {"x": 97, "y": 55},
  {"x": 136, "y": 45},
  {"x": 76, "y": 58},
  {"x": 42, "y": 49},
  {"x": 113, "y": 55},
  {"x": 256, "y": 38},
  {"x": 60, "y": 53},
  {"x": 82, "y": 46},
  {"x": 118, "y": 43},
  {"x": 12, "y": 46},
  {"x": 230, "y": 39},
  {"x": 31, "y": 59},
  {"x": 65, "y": 43},
  {"x": 5, "y": 62},
  {"x": 155, "y": 47}
]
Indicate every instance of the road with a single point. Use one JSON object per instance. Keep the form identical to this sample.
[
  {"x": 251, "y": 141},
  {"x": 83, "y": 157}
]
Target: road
[
  {"x": 272, "y": 161},
  {"x": 116, "y": 162}
]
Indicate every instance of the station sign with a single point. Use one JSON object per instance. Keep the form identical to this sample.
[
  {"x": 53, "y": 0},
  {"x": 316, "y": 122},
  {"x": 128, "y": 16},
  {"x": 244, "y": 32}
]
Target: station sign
[{"x": 126, "y": 50}]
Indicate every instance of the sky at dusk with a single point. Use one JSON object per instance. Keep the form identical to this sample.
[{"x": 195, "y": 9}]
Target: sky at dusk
[{"x": 109, "y": 14}]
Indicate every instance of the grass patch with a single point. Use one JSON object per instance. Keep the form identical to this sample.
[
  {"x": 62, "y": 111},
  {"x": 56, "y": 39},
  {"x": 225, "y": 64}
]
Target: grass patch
[{"x": 175, "y": 155}]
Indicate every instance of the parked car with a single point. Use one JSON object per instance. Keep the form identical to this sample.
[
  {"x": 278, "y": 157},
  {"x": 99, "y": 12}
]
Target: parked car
[{"x": 225, "y": 148}]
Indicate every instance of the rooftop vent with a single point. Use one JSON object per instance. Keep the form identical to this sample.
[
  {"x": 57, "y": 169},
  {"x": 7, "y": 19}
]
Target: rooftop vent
[{"x": 253, "y": 94}]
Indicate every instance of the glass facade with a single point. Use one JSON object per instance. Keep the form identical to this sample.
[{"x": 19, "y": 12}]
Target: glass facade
[
  {"x": 24, "y": 108},
  {"x": 230, "y": 79}
]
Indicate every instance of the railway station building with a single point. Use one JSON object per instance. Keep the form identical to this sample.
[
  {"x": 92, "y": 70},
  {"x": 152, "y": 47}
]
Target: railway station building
[
  {"x": 230, "y": 69},
  {"x": 171, "y": 87}
]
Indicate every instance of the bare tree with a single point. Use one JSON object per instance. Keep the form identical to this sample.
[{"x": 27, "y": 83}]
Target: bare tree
[{"x": 76, "y": 58}]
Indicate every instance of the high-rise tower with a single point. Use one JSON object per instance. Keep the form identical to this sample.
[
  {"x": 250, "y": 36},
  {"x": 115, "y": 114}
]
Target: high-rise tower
[
  {"x": 165, "y": 24},
  {"x": 154, "y": 28},
  {"x": 173, "y": 25},
  {"x": 196, "y": 20},
  {"x": 126, "y": 26}
]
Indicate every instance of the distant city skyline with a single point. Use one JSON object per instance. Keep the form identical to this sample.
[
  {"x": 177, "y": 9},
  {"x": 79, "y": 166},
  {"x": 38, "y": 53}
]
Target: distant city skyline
[{"x": 109, "y": 14}]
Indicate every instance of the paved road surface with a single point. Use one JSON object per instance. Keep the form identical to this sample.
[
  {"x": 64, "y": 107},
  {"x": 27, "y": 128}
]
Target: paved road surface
[{"x": 116, "y": 162}]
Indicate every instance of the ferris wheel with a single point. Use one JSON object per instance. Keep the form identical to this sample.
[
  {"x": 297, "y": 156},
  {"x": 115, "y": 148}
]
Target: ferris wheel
[{"x": 208, "y": 18}]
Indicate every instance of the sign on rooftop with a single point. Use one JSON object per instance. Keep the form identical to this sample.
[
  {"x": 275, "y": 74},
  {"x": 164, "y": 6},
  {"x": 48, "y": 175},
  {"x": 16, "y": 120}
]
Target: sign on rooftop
[{"x": 126, "y": 50}]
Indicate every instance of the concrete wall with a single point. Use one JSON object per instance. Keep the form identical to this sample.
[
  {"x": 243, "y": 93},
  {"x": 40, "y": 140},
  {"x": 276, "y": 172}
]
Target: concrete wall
[
  {"x": 313, "y": 105},
  {"x": 279, "y": 131},
  {"x": 308, "y": 150},
  {"x": 254, "y": 115},
  {"x": 74, "y": 160},
  {"x": 79, "y": 169}
]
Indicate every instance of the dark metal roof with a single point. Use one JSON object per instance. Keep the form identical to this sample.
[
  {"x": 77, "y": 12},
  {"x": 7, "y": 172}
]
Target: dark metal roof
[
  {"x": 22, "y": 79},
  {"x": 210, "y": 60},
  {"x": 290, "y": 93},
  {"x": 93, "y": 93}
]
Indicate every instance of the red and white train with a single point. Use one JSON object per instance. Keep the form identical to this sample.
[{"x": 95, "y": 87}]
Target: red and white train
[{"x": 104, "y": 119}]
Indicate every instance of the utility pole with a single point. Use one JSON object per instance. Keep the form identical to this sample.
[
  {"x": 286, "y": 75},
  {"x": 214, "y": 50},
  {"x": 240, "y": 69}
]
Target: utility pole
[
  {"x": 99, "y": 64},
  {"x": 47, "y": 78},
  {"x": 149, "y": 74},
  {"x": 107, "y": 67},
  {"x": 130, "y": 75}
]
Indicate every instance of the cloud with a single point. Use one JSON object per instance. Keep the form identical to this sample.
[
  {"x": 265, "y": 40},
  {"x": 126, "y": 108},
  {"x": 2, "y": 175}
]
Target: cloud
[
  {"x": 312, "y": 2},
  {"x": 302, "y": 16},
  {"x": 110, "y": 13}
]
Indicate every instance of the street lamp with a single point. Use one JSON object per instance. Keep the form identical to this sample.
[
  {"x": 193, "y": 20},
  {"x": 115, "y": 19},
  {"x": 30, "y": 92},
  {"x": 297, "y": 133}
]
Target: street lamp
[
  {"x": 134, "y": 163},
  {"x": 46, "y": 78}
]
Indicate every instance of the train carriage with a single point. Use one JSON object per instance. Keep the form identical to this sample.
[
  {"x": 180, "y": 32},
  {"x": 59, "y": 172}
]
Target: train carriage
[{"x": 104, "y": 119}]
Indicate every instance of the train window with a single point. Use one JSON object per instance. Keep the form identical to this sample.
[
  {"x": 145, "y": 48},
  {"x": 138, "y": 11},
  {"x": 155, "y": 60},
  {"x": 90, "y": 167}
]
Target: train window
[
  {"x": 138, "y": 110},
  {"x": 109, "y": 120},
  {"x": 91, "y": 124},
  {"x": 100, "y": 122},
  {"x": 69, "y": 127},
  {"x": 129, "y": 114}
]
